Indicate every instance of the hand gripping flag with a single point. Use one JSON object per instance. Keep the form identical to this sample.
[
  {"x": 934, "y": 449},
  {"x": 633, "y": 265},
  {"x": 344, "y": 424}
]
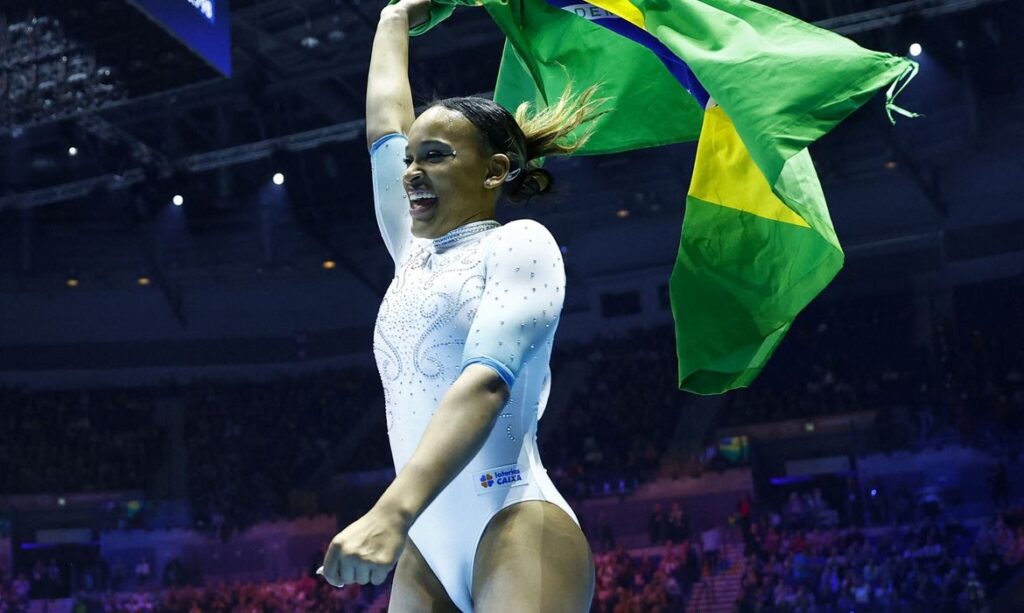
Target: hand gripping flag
[{"x": 757, "y": 243}]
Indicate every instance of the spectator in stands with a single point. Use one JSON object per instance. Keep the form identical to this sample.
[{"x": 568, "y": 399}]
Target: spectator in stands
[
  {"x": 20, "y": 589},
  {"x": 142, "y": 572},
  {"x": 656, "y": 524},
  {"x": 796, "y": 512},
  {"x": 678, "y": 528},
  {"x": 172, "y": 573},
  {"x": 744, "y": 515},
  {"x": 605, "y": 533},
  {"x": 711, "y": 544},
  {"x": 1000, "y": 485},
  {"x": 854, "y": 514},
  {"x": 118, "y": 573}
]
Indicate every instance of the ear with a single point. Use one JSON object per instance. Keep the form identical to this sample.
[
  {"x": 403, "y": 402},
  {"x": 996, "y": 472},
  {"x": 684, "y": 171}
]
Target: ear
[{"x": 498, "y": 168}]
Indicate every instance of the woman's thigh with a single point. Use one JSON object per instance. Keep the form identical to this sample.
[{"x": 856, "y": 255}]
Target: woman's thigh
[
  {"x": 415, "y": 588},
  {"x": 533, "y": 558}
]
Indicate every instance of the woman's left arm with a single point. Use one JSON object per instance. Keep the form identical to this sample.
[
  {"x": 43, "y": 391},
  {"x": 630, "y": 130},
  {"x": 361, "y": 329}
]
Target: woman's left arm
[
  {"x": 454, "y": 435},
  {"x": 368, "y": 549}
]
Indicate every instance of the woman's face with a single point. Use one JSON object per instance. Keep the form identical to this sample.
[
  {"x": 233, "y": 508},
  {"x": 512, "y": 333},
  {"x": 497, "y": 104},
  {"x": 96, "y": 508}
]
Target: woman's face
[{"x": 448, "y": 178}]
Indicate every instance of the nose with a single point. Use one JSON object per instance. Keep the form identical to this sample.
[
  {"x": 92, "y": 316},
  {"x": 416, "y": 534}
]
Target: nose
[{"x": 412, "y": 176}]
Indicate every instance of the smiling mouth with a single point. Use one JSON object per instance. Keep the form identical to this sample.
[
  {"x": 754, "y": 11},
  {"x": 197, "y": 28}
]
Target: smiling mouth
[{"x": 421, "y": 204}]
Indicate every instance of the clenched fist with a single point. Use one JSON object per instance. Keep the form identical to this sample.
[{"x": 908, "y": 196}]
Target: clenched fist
[{"x": 365, "y": 551}]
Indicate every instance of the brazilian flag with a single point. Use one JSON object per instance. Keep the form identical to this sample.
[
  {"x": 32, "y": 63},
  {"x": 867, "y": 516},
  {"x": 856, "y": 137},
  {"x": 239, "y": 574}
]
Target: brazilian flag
[{"x": 755, "y": 87}]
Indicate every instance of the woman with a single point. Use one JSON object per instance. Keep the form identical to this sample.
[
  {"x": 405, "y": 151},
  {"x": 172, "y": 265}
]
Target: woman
[{"x": 462, "y": 343}]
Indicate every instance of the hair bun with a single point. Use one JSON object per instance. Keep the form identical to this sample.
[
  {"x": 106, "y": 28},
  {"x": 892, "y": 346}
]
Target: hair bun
[
  {"x": 541, "y": 178},
  {"x": 535, "y": 181}
]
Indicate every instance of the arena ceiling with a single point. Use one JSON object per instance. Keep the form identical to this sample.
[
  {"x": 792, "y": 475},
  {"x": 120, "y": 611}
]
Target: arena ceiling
[
  {"x": 167, "y": 122},
  {"x": 299, "y": 67}
]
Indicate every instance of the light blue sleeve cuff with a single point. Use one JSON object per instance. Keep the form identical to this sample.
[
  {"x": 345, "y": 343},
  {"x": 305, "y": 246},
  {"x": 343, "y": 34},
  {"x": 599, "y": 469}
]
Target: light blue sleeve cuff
[
  {"x": 380, "y": 141},
  {"x": 502, "y": 370}
]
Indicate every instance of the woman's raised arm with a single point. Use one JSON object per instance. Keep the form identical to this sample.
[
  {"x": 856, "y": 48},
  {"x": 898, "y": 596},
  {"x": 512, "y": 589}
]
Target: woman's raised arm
[{"x": 389, "y": 106}]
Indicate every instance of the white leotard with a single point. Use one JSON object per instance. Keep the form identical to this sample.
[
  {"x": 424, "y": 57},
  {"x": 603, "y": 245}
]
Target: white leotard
[{"x": 482, "y": 294}]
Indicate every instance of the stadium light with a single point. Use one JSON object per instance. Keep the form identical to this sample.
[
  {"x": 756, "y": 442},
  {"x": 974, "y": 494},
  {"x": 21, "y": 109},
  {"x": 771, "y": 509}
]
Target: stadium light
[
  {"x": 915, "y": 49},
  {"x": 178, "y": 200},
  {"x": 278, "y": 178}
]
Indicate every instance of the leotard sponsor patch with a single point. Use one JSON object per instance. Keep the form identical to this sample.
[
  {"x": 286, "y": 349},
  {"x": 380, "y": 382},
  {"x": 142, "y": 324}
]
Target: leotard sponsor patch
[{"x": 502, "y": 477}]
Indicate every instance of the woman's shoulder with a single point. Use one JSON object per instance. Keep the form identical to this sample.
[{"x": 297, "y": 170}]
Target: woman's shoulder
[{"x": 526, "y": 230}]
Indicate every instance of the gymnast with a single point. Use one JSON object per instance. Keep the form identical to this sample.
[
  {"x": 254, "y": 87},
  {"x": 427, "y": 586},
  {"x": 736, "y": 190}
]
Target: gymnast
[{"x": 463, "y": 343}]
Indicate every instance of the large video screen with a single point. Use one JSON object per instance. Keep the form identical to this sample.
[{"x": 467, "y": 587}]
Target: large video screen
[{"x": 203, "y": 25}]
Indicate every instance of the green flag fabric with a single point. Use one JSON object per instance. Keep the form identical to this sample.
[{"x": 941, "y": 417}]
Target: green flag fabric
[
  {"x": 547, "y": 47},
  {"x": 757, "y": 243},
  {"x": 747, "y": 263}
]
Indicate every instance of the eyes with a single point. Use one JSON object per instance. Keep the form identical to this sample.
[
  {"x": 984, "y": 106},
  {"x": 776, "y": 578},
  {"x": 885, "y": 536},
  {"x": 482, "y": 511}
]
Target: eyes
[{"x": 433, "y": 156}]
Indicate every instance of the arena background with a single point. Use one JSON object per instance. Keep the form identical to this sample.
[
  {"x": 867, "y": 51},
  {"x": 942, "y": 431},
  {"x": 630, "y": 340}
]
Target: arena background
[{"x": 189, "y": 408}]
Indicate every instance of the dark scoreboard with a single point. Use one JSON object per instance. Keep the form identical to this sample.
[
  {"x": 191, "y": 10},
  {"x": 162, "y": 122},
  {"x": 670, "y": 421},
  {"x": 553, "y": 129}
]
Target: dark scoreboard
[{"x": 202, "y": 25}]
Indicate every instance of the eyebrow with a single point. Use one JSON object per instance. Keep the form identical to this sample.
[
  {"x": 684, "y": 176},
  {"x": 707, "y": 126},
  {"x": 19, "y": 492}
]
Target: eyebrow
[{"x": 431, "y": 142}]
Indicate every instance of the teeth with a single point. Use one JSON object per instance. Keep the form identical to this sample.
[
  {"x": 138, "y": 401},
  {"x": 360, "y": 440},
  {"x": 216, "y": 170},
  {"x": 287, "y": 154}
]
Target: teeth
[{"x": 421, "y": 195}]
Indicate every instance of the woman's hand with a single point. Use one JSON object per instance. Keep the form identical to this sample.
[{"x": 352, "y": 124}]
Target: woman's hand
[
  {"x": 367, "y": 550},
  {"x": 417, "y": 11}
]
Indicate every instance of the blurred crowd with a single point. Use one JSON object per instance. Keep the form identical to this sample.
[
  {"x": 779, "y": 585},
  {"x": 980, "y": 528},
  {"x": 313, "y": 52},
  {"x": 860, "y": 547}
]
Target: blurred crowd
[
  {"x": 620, "y": 419},
  {"x": 838, "y": 356},
  {"x": 295, "y": 596},
  {"x": 57, "y": 442},
  {"x": 625, "y": 583},
  {"x": 298, "y": 595},
  {"x": 980, "y": 365},
  {"x": 14, "y": 591},
  {"x": 959, "y": 381},
  {"x": 249, "y": 444},
  {"x": 257, "y": 440},
  {"x": 932, "y": 566}
]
